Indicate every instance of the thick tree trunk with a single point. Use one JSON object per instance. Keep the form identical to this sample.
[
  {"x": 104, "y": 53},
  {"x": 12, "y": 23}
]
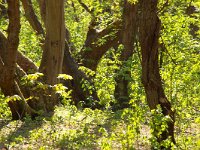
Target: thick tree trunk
[
  {"x": 52, "y": 58},
  {"x": 53, "y": 53},
  {"x": 149, "y": 29}
]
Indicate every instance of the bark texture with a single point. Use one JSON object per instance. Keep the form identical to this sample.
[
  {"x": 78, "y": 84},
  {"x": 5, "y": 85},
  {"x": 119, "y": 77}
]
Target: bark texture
[
  {"x": 98, "y": 43},
  {"x": 149, "y": 34},
  {"x": 8, "y": 83},
  {"x": 128, "y": 33},
  {"x": 53, "y": 53}
]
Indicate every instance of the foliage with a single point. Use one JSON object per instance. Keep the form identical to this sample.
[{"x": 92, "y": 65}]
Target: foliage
[
  {"x": 70, "y": 128},
  {"x": 4, "y": 110},
  {"x": 135, "y": 127}
]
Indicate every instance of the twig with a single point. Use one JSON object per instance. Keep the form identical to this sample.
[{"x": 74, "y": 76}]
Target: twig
[
  {"x": 85, "y": 6},
  {"x": 165, "y": 48}
]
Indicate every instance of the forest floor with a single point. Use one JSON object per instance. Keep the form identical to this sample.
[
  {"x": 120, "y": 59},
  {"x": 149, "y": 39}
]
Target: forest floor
[{"x": 69, "y": 128}]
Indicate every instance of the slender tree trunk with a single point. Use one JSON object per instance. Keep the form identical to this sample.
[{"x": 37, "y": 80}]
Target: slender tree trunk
[
  {"x": 78, "y": 93},
  {"x": 149, "y": 34},
  {"x": 42, "y": 5},
  {"x": 31, "y": 16},
  {"x": 9, "y": 59},
  {"x": 8, "y": 63},
  {"x": 93, "y": 51},
  {"x": 127, "y": 39}
]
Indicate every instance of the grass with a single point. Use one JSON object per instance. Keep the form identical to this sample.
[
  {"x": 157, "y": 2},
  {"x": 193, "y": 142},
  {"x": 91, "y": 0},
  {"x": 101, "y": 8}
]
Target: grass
[{"x": 69, "y": 128}]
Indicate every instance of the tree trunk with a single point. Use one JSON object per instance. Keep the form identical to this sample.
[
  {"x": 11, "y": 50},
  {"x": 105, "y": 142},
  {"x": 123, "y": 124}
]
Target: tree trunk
[
  {"x": 149, "y": 29},
  {"x": 8, "y": 63},
  {"x": 9, "y": 58},
  {"x": 42, "y": 5},
  {"x": 78, "y": 93},
  {"x": 53, "y": 53},
  {"x": 93, "y": 51},
  {"x": 127, "y": 39},
  {"x": 52, "y": 58}
]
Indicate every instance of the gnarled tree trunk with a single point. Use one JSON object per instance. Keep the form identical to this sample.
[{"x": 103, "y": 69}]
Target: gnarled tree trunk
[
  {"x": 149, "y": 29},
  {"x": 8, "y": 56}
]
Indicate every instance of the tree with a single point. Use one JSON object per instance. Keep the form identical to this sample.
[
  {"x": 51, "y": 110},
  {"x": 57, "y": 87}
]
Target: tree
[
  {"x": 57, "y": 52},
  {"x": 149, "y": 29},
  {"x": 128, "y": 35},
  {"x": 52, "y": 56},
  {"x": 8, "y": 66}
]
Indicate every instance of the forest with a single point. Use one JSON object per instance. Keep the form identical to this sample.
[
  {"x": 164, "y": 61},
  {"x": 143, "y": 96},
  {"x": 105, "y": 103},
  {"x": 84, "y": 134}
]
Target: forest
[{"x": 99, "y": 75}]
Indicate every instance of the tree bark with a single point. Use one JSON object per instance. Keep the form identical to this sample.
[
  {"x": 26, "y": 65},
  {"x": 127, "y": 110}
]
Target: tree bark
[
  {"x": 149, "y": 29},
  {"x": 42, "y": 5},
  {"x": 8, "y": 64},
  {"x": 9, "y": 60},
  {"x": 98, "y": 43},
  {"x": 53, "y": 52},
  {"x": 52, "y": 59},
  {"x": 127, "y": 39},
  {"x": 26, "y": 64}
]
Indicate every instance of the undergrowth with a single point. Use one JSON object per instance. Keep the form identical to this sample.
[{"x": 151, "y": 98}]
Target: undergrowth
[{"x": 70, "y": 128}]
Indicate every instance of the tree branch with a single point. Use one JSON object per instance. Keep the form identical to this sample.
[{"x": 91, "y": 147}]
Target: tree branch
[
  {"x": 85, "y": 7},
  {"x": 31, "y": 16},
  {"x": 24, "y": 62},
  {"x": 97, "y": 43}
]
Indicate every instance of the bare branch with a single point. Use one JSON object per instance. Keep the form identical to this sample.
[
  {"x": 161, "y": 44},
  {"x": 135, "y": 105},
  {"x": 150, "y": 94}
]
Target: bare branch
[
  {"x": 31, "y": 16},
  {"x": 26, "y": 64}
]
